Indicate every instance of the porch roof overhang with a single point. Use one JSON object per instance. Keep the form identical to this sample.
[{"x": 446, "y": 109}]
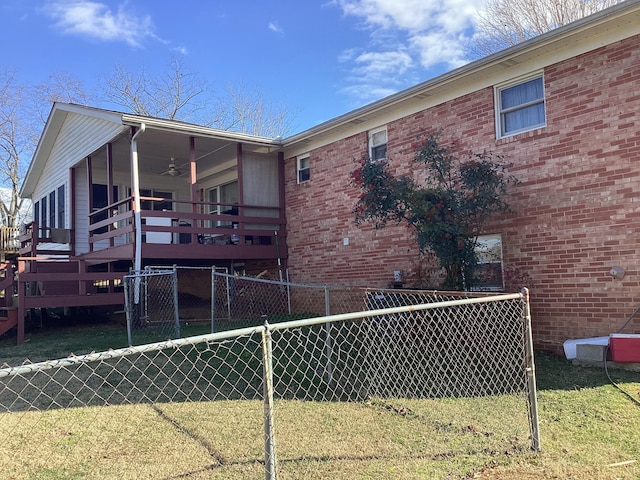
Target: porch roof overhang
[{"x": 170, "y": 136}]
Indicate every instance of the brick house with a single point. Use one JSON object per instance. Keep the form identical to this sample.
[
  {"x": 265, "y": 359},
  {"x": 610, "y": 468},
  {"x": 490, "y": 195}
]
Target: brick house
[{"x": 563, "y": 108}]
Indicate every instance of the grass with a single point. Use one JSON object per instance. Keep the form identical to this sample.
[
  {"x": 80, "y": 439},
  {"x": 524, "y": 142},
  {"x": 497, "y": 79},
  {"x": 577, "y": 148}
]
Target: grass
[{"x": 589, "y": 429}]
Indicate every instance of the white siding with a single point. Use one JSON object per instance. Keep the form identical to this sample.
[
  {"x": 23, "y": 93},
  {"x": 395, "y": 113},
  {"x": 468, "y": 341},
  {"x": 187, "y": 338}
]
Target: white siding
[
  {"x": 260, "y": 186},
  {"x": 82, "y": 211},
  {"x": 79, "y": 137}
]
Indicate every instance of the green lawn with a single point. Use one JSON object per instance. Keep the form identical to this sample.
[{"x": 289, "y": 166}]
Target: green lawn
[{"x": 589, "y": 430}]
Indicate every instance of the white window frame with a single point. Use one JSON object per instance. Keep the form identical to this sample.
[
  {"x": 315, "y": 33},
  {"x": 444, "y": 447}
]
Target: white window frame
[
  {"x": 373, "y": 146},
  {"x": 300, "y": 169},
  {"x": 489, "y": 251},
  {"x": 500, "y": 112},
  {"x": 214, "y": 195}
]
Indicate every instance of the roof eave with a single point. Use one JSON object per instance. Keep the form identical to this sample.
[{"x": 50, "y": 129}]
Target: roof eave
[
  {"x": 199, "y": 131},
  {"x": 540, "y": 42}
]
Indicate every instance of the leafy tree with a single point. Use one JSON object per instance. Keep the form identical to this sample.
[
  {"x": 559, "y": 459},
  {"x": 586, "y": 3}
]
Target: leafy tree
[{"x": 447, "y": 210}]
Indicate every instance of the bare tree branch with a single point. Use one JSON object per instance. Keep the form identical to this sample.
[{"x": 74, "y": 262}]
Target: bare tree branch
[
  {"x": 178, "y": 94},
  {"x": 245, "y": 110},
  {"x": 14, "y": 141},
  {"x": 504, "y": 23}
]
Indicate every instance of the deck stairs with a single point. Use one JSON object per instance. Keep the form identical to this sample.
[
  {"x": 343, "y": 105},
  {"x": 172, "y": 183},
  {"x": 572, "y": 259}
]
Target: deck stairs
[{"x": 8, "y": 311}]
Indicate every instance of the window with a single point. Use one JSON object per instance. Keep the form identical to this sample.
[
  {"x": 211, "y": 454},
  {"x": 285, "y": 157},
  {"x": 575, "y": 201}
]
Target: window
[
  {"x": 489, "y": 271},
  {"x": 100, "y": 201},
  {"x": 224, "y": 200},
  {"x": 165, "y": 202},
  {"x": 304, "y": 173},
  {"x": 378, "y": 145},
  {"x": 520, "y": 107},
  {"x": 36, "y": 212},
  {"x": 61, "y": 207},
  {"x": 52, "y": 209},
  {"x": 43, "y": 216}
]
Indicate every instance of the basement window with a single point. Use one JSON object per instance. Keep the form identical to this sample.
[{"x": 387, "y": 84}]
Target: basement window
[{"x": 489, "y": 270}]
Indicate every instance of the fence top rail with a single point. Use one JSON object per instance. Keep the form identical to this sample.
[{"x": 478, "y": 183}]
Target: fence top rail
[
  {"x": 220, "y": 336},
  {"x": 403, "y": 291},
  {"x": 133, "y": 350},
  {"x": 389, "y": 311},
  {"x": 148, "y": 273}
]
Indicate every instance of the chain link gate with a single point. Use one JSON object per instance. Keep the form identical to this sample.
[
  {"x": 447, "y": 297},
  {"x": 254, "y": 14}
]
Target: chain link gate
[{"x": 151, "y": 306}]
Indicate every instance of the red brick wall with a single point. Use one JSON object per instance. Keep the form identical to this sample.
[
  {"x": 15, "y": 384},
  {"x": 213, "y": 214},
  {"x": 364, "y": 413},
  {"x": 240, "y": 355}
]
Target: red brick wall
[{"x": 577, "y": 206}]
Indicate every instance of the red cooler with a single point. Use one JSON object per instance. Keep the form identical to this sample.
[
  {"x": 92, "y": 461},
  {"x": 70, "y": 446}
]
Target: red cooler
[{"x": 624, "y": 348}]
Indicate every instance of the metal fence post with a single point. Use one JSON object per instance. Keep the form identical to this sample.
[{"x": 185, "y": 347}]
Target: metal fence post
[
  {"x": 128, "y": 307},
  {"x": 213, "y": 299},
  {"x": 176, "y": 309},
  {"x": 269, "y": 439},
  {"x": 329, "y": 343},
  {"x": 531, "y": 373}
]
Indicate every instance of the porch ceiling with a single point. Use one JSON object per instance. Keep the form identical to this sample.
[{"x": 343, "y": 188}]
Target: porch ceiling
[{"x": 157, "y": 147}]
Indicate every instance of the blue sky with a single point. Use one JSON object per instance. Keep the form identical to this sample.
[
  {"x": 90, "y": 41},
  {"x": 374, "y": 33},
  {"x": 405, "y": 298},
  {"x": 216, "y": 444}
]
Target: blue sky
[{"x": 319, "y": 59}]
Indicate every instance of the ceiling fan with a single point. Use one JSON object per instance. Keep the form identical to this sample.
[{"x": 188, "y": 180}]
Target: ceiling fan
[{"x": 172, "y": 170}]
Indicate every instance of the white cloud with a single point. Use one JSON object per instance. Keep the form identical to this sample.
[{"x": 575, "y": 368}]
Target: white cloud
[
  {"x": 375, "y": 75},
  {"x": 412, "y": 15},
  {"x": 381, "y": 63},
  {"x": 408, "y": 39},
  {"x": 274, "y": 27},
  {"x": 96, "y": 20},
  {"x": 436, "y": 48}
]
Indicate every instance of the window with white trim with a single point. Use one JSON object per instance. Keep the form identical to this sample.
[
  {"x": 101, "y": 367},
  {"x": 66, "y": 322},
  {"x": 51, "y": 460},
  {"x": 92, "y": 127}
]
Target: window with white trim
[
  {"x": 304, "y": 172},
  {"x": 224, "y": 200},
  {"x": 489, "y": 270},
  {"x": 520, "y": 106},
  {"x": 378, "y": 144}
]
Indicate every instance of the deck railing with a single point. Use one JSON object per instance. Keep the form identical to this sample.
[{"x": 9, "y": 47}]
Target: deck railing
[
  {"x": 9, "y": 241},
  {"x": 186, "y": 223}
]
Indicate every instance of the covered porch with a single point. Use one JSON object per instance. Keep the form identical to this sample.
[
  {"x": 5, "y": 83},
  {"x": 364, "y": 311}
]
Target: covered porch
[
  {"x": 113, "y": 192},
  {"x": 161, "y": 189}
]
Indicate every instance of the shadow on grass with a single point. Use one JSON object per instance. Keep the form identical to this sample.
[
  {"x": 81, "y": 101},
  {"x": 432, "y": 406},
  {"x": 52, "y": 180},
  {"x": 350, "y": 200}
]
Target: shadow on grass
[{"x": 555, "y": 372}]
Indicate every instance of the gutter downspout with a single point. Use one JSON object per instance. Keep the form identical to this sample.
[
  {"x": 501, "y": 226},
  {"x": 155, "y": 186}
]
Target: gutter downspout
[{"x": 135, "y": 190}]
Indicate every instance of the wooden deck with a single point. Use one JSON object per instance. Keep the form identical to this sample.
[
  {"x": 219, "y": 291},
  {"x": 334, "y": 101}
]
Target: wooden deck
[{"x": 50, "y": 273}]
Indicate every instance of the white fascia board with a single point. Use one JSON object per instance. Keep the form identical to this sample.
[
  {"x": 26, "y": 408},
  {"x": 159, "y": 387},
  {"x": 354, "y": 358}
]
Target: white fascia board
[
  {"x": 55, "y": 121},
  {"x": 198, "y": 131},
  {"x": 603, "y": 28}
]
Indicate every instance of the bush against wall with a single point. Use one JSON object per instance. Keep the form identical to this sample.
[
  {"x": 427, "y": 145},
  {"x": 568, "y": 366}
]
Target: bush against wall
[{"x": 447, "y": 209}]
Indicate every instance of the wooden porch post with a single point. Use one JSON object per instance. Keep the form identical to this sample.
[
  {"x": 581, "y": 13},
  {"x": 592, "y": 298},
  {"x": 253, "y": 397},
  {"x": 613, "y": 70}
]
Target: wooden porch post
[
  {"x": 72, "y": 210},
  {"x": 21, "y": 299},
  {"x": 193, "y": 192},
  {"x": 90, "y": 187},
  {"x": 240, "y": 189},
  {"x": 110, "y": 198},
  {"x": 282, "y": 198}
]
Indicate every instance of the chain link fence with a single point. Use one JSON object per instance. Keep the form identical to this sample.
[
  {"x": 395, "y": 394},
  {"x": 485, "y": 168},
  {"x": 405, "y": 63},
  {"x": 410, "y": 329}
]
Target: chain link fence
[
  {"x": 433, "y": 380},
  {"x": 151, "y": 305},
  {"x": 165, "y": 302}
]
